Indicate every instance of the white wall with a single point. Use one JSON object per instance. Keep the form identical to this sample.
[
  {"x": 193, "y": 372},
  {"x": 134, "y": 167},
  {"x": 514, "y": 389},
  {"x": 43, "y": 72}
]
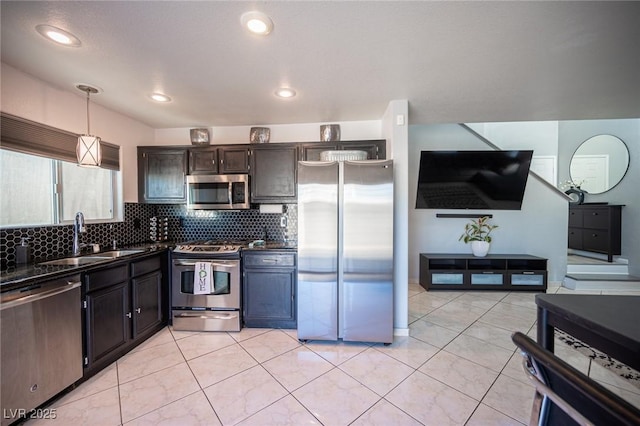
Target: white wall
[
  {"x": 539, "y": 229},
  {"x": 66, "y": 109},
  {"x": 397, "y": 137},
  {"x": 542, "y": 136}
]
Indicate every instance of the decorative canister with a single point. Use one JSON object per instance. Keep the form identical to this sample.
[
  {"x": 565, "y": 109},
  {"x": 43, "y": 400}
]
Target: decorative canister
[
  {"x": 199, "y": 136},
  {"x": 259, "y": 135},
  {"x": 330, "y": 132}
]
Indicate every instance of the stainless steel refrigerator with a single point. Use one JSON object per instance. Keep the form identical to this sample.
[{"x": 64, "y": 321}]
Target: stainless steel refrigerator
[{"x": 345, "y": 250}]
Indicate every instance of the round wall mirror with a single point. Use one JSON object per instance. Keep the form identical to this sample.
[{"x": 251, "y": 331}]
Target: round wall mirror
[{"x": 599, "y": 163}]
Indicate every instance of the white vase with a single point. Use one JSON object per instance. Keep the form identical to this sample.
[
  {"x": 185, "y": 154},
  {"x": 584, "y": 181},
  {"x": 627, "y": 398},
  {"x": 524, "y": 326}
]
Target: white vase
[{"x": 480, "y": 248}]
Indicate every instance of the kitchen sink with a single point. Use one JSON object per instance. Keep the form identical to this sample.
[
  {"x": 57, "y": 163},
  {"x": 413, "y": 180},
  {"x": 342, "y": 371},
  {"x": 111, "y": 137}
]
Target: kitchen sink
[
  {"x": 92, "y": 258},
  {"x": 76, "y": 261},
  {"x": 119, "y": 253}
]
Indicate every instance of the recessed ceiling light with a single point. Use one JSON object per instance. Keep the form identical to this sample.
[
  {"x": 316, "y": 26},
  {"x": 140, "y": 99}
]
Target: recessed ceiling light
[
  {"x": 285, "y": 92},
  {"x": 159, "y": 97},
  {"x": 59, "y": 36},
  {"x": 257, "y": 22}
]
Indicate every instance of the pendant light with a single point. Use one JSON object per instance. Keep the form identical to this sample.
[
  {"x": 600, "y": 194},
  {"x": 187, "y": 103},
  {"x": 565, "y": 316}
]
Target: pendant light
[{"x": 88, "y": 149}]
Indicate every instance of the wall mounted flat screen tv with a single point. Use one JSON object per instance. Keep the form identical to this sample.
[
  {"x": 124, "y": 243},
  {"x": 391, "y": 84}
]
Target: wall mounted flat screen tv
[{"x": 493, "y": 180}]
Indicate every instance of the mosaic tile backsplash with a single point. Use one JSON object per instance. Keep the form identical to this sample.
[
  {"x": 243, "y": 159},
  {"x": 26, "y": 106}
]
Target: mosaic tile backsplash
[{"x": 49, "y": 242}]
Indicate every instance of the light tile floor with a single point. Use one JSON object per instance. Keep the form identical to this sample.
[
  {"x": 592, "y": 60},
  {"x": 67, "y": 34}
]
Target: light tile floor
[{"x": 457, "y": 367}]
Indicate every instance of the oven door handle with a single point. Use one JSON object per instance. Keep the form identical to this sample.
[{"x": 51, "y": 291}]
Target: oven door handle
[
  {"x": 225, "y": 316},
  {"x": 230, "y": 194},
  {"x": 180, "y": 262}
]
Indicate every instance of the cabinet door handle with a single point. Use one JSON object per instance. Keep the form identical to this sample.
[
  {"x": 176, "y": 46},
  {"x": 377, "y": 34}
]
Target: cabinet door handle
[
  {"x": 129, "y": 315},
  {"x": 138, "y": 310}
]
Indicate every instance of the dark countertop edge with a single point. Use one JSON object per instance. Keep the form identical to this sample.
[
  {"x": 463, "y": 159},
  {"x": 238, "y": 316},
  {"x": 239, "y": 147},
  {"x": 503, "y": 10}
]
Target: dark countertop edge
[
  {"x": 272, "y": 246},
  {"x": 25, "y": 275}
]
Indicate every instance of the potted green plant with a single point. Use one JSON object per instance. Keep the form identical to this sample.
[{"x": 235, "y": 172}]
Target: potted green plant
[{"x": 478, "y": 233}]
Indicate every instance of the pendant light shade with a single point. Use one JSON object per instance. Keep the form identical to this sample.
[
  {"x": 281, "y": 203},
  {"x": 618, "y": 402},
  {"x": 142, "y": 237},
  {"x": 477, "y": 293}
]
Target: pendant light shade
[{"x": 88, "y": 149}]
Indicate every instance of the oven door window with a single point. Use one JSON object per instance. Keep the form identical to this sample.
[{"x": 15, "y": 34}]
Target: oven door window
[
  {"x": 220, "y": 282},
  {"x": 209, "y": 193}
]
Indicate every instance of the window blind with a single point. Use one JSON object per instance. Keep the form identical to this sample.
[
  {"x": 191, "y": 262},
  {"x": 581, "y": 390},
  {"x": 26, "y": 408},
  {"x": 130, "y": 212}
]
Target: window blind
[{"x": 22, "y": 135}]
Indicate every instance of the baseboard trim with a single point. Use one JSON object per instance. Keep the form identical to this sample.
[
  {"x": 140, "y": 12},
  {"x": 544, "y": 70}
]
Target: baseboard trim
[{"x": 400, "y": 331}]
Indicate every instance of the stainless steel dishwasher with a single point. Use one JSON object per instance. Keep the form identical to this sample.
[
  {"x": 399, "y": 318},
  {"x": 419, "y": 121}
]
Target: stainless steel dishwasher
[{"x": 41, "y": 344}]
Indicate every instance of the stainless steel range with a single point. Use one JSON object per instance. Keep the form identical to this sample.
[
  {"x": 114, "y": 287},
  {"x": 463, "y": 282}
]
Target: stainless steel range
[{"x": 219, "y": 308}]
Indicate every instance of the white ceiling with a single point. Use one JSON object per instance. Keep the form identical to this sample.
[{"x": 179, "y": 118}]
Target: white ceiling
[{"x": 453, "y": 61}]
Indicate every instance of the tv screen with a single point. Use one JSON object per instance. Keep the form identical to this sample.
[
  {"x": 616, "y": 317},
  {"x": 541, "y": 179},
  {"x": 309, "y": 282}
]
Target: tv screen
[{"x": 472, "y": 179}]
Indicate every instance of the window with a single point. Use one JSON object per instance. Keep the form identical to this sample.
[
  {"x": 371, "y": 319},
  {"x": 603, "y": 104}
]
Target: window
[
  {"x": 87, "y": 190},
  {"x": 27, "y": 189},
  {"x": 40, "y": 191}
]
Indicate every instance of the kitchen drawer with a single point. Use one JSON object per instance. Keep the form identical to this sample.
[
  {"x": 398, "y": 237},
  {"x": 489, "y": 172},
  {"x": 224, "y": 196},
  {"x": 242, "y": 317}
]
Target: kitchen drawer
[
  {"x": 265, "y": 260},
  {"x": 106, "y": 277},
  {"x": 145, "y": 266},
  {"x": 596, "y": 218}
]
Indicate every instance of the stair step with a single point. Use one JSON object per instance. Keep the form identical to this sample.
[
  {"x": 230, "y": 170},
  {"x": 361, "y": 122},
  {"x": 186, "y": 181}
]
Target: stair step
[
  {"x": 611, "y": 268},
  {"x": 601, "y": 282}
]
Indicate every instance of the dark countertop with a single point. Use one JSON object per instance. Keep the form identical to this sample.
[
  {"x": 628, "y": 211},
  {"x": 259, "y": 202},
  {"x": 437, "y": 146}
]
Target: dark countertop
[
  {"x": 273, "y": 245},
  {"x": 25, "y": 274}
]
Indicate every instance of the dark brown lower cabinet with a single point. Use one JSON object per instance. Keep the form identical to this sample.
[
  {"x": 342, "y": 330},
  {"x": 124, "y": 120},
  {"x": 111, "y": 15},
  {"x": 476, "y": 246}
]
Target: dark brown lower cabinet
[
  {"x": 107, "y": 325},
  {"x": 123, "y": 306},
  {"x": 147, "y": 302},
  {"x": 269, "y": 284}
]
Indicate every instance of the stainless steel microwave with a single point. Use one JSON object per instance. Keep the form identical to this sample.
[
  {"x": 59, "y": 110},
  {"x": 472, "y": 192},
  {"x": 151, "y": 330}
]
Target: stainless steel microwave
[{"x": 218, "y": 192}]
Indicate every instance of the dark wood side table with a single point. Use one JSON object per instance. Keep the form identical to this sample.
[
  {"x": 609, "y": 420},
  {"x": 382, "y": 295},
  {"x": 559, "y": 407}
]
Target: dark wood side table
[{"x": 608, "y": 323}]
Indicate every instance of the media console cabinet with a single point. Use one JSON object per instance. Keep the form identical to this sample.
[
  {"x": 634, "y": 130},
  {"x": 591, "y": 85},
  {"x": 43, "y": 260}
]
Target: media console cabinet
[{"x": 502, "y": 272}]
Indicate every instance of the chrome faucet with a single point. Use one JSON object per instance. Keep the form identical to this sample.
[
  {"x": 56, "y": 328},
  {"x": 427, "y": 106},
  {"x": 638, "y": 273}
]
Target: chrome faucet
[{"x": 78, "y": 228}]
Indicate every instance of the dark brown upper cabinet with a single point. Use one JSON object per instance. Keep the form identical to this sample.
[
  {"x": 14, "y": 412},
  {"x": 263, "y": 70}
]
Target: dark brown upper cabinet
[
  {"x": 161, "y": 175},
  {"x": 233, "y": 159},
  {"x": 273, "y": 173}
]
